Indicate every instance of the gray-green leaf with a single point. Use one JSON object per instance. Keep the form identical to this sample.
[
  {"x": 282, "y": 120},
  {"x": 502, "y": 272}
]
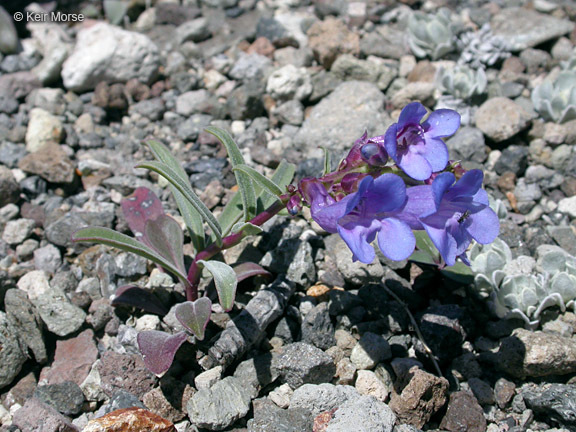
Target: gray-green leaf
[{"x": 225, "y": 281}]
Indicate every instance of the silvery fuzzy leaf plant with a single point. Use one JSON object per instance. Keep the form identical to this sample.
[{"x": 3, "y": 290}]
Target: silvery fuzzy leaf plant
[
  {"x": 482, "y": 48},
  {"x": 430, "y": 35},
  {"x": 462, "y": 82},
  {"x": 524, "y": 287},
  {"x": 555, "y": 100}
]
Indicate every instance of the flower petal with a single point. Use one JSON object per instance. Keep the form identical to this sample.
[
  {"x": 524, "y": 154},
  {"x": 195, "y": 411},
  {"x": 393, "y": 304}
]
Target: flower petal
[
  {"x": 327, "y": 216},
  {"x": 442, "y": 123},
  {"x": 468, "y": 185},
  {"x": 412, "y": 113},
  {"x": 440, "y": 185},
  {"x": 395, "y": 239},
  {"x": 388, "y": 193},
  {"x": 391, "y": 141},
  {"x": 435, "y": 152},
  {"x": 416, "y": 166},
  {"x": 483, "y": 226},
  {"x": 444, "y": 242},
  {"x": 419, "y": 203},
  {"x": 358, "y": 238}
]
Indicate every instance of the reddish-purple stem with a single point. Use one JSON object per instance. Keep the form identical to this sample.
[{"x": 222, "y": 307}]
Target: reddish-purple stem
[{"x": 228, "y": 242}]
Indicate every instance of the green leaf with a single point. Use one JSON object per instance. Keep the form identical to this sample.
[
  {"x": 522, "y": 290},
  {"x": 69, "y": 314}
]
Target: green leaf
[
  {"x": 327, "y": 161},
  {"x": 109, "y": 237},
  {"x": 425, "y": 252},
  {"x": 262, "y": 180},
  {"x": 282, "y": 177},
  {"x": 247, "y": 227},
  {"x": 186, "y": 190},
  {"x": 225, "y": 281},
  {"x": 244, "y": 183},
  {"x": 231, "y": 214},
  {"x": 194, "y": 316},
  {"x": 192, "y": 218},
  {"x": 165, "y": 237}
]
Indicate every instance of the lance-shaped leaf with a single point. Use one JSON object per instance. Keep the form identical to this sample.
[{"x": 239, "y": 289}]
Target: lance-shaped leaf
[
  {"x": 426, "y": 252},
  {"x": 165, "y": 237},
  {"x": 132, "y": 295},
  {"x": 247, "y": 227},
  {"x": 141, "y": 206},
  {"x": 159, "y": 348},
  {"x": 248, "y": 269},
  {"x": 261, "y": 179},
  {"x": 191, "y": 216},
  {"x": 244, "y": 183},
  {"x": 109, "y": 237},
  {"x": 194, "y": 316},
  {"x": 282, "y": 177},
  {"x": 225, "y": 281},
  {"x": 186, "y": 190},
  {"x": 327, "y": 161}
]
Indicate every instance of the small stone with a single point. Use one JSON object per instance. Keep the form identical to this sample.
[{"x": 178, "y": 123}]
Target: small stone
[
  {"x": 368, "y": 383},
  {"x": 463, "y": 413},
  {"x": 370, "y": 350},
  {"x": 43, "y": 128},
  {"x": 8, "y": 33},
  {"x": 289, "y": 82},
  {"x": 317, "y": 328},
  {"x": 47, "y": 258},
  {"x": 514, "y": 159},
  {"x": 220, "y": 406},
  {"x": 500, "y": 118},
  {"x": 34, "y": 283},
  {"x": 60, "y": 316},
  {"x": 482, "y": 391},
  {"x": 256, "y": 372},
  {"x": 16, "y": 231},
  {"x": 9, "y": 188},
  {"x": 66, "y": 397},
  {"x": 208, "y": 378},
  {"x": 281, "y": 395},
  {"x": 194, "y": 30},
  {"x": 345, "y": 371},
  {"x": 269, "y": 418},
  {"x": 291, "y": 112},
  {"x": 467, "y": 145},
  {"x": 323, "y": 397},
  {"x": 421, "y": 398},
  {"x": 302, "y": 363},
  {"x": 49, "y": 162},
  {"x": 125, "y": 372},
  {"x": 169, "y": 400},
  {"x": 536, "y": 354},
  {"x": 568, "y": 206},
  {"x": 35, "y": 413},
  {"x": 362, "y": 414},
  {"x": 330, "y": 38},
  {"x": 129, "y": 419},
  {"x": 11, "y": 356},
  {"x": 504, "y": 391}
]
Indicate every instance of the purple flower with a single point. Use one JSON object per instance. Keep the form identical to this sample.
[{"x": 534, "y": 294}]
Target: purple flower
[
  {"x": 461, "y": 213},
  {"x": 374, "y": 209},
  {"x": 417, "y": 147}
]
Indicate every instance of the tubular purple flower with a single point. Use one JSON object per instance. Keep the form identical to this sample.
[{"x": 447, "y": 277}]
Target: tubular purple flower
[
  {"x": 461, "y": 214},
  {"x": 418, "y": 148},
  {"x": 375, "y": 209}
]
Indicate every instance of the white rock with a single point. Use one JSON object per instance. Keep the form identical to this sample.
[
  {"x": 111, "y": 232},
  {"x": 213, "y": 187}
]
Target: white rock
[
  {"x": 55, "y": 46},
  {"x": 35, "y": 283},
  {"x": 289, "y": 82},
  {"x": 43, "y": 128},
  {"x": 368, "y": 383},
  {"x": 207, "y": 379},
  {"x": 147, "y": 322},
  {"x": 568, "y": 206},
  {"x": 107, "y": 53},
  {"x": 281, "y": 395},
  {"x": 16, "y": 231}
]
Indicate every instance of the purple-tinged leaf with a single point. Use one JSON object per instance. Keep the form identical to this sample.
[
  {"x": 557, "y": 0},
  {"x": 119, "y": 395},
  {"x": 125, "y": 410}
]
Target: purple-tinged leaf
[
  {"x": 225, "y": 281},
  {"x": 165, "y": 236},
  {"x": 194, "y": 316},
  {"x": 159, "y": 348},
  {"x": 131, "y": 295},
  {"x": 248, "y": 269},
  {"x": 143, "y": 205}
]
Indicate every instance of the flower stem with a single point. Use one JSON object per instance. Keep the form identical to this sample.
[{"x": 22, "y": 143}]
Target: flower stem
[{"x": 229, "y": 241}]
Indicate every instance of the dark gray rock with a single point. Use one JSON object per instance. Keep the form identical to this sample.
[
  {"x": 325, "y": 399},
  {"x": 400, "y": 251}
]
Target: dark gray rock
[
  {"x": 65, "y": 397},
  {"x": 302, "y": 363},
  {"x": 8, "y": 34},
  {"x": 257, "y": 372},
  {"x": 245, "y": 102},
  {"x": 370, "y": 350},
  {"x": 120, "y": 399},
  {"x": 60, "y": 316},
  {"x": 9, "y": 188},
  {"x": 221, "y": 405},
  {"x": 35, "y": 413},
  {"x": 556, "y": 402},
  {"x": 386, "y": 42},
  {"x": 11, "y": 356},
  {"x": 467, "y": 145},
  {"x": 189, "y": 129},
  {"x": 269, "y": 418},
  {"x": 275, "y": 32},
  {"x": 514, "y": 158},
  {"x": 317, "y": 328},
  {"x": 11, "y": 153},
  {"x": 22, "y": 314},
  {"x": 195, "y": 30}
]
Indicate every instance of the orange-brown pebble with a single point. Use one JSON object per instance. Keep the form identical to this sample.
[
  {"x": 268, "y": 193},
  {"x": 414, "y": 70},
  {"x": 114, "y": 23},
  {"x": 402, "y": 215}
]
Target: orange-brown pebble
[{"x": 130, "y": 420}]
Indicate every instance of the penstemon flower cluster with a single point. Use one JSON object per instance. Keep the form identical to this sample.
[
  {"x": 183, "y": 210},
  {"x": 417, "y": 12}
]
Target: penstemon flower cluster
[
  {"x": 386, "y": 188},
  {"x": 392, "y": 184}
]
